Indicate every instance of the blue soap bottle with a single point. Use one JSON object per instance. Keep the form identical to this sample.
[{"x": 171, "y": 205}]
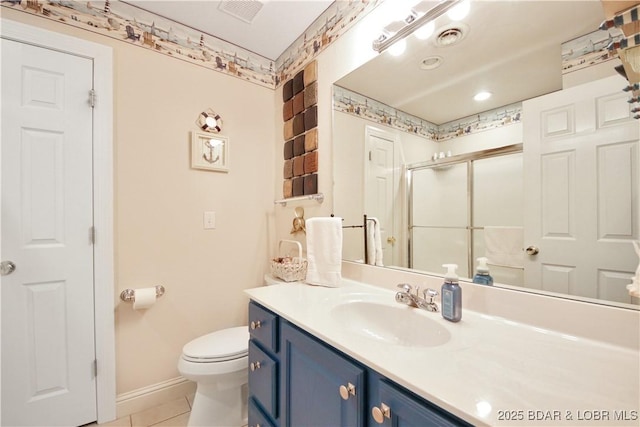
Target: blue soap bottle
[
  {"x": 482, "y": 276},
  {"x": 451, "y": 295}
]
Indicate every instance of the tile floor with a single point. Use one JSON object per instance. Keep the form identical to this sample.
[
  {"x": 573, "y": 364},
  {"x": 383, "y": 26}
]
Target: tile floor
[{"x": 170, "y": 414}]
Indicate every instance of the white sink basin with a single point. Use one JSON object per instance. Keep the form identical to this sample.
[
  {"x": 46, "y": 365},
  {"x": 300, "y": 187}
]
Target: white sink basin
[{"x": 397, "y": 325}]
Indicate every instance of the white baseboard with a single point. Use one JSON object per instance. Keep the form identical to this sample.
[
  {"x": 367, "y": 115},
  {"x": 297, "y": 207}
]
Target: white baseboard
[{"x": 153, "y": 395}]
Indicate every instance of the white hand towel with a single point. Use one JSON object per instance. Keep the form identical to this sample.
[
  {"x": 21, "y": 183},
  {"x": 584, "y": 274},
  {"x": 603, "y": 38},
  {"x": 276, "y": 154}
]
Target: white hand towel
[
  {"x": 374, "y": 242},
  {"x": 504, "y": 246},
  {"x": 324, "y": 251}
]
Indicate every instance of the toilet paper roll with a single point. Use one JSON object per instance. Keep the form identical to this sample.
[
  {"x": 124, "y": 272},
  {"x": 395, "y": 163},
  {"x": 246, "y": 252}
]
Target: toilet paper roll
[{"x": 144, "y": 298}]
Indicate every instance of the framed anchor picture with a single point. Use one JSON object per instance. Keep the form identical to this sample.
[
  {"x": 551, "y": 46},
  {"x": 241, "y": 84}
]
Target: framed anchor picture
[{"x": 209, "y": 152}]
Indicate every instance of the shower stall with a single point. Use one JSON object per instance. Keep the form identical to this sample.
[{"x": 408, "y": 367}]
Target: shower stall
[{"x": 450, "y": 202}]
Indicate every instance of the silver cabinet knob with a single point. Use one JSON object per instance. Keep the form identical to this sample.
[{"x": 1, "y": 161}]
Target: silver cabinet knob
[
  {"x": 532, "y": 250},
  {"x": 380, "y": 413},
  {"x": 254, "y": 366},
  {"x": 347, "y": 391},
  {"x": 255, "y": 325},
  {"x": 7, "y": 267}
]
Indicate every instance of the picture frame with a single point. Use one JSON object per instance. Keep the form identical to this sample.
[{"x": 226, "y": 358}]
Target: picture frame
[{"x": 209, "y": 152}]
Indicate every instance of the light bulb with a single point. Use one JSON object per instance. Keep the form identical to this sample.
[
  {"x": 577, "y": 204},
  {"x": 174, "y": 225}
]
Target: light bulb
[
  {"x": 425, "y": 31},
  {"x": 398, "y": 47},
  {"x": 459, "y": 11},
  {"x": 482, "y": 96}
]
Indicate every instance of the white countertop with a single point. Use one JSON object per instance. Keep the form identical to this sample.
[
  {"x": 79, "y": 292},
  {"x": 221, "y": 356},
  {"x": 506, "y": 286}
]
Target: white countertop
[{"x": 491, "y": 372}]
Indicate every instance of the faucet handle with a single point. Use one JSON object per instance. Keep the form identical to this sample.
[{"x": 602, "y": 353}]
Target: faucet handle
[
  {"x": 405, "y": 287},
  {"x": 430, "y": 294}
]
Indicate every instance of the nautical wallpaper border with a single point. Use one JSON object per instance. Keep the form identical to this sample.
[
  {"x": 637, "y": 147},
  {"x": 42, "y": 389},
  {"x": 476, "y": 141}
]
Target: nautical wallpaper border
[{"x": 130, "y": 24}]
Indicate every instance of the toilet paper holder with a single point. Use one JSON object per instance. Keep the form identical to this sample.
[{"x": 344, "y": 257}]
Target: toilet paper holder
[{"x": 129, "y": 295}]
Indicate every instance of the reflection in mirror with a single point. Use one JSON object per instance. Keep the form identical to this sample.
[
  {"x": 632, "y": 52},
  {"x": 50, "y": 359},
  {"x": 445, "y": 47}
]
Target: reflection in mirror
[{"x": 450, "y": 179}]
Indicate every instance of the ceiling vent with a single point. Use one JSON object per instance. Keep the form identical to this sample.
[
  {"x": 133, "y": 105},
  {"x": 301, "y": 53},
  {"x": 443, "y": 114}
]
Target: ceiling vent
[
  {"x": 449, "y": 37},
  {"x": 244, "y": 10}
]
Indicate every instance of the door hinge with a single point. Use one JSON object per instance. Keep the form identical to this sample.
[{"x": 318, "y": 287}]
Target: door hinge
[
  {"x": 92, "y": 235},
  {"x": 95, "y": 367},
  {"x": 92, "y": 98},
  {"x": 369, "y": 155}
]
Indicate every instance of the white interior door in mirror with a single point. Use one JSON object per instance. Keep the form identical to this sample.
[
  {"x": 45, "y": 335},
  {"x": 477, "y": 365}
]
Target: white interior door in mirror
[
  {"x": 381, "y": 185},
  {"x": 581, "y": 190}
]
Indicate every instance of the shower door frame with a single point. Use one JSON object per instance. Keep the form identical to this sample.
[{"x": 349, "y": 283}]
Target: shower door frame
[{"x": 467, "y": 158}]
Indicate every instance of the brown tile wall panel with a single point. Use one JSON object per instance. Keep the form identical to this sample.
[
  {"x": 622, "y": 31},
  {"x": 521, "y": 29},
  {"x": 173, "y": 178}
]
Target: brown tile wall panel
[
  {"x": 310, "y": 118},
  {"x": 288, "y": 129},
  {"x": 288, "y": 149},
  {"x": 311, "y": 140},
  {"x": 310, "y": 95},
  {"x": 287, "y": 188},
  {"x": 287, "y": 110},
  {"x": 310, "y": 73},
  {"x": 287, "y": 170},
  {"x": 298, "y": 186},
  {"x": 298, "y": 82},
  {"x": 298, "y": 103},
  {"x": 298, "y": 124},
  {"x": 287, "y": 91},
  {"x": 298, "y": 145},
  {"x": 311, "y": 184},
  {"x": 311, "y": 162},
  {"x": 298, "y": 166}
]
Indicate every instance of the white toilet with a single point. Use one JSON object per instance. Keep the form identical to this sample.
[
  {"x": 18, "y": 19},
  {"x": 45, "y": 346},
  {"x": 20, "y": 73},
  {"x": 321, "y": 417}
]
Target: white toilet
[{"x": 218, "y": 363}]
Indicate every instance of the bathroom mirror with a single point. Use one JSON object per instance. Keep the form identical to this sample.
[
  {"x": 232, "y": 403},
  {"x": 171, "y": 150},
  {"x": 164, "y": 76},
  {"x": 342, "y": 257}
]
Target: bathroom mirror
[{"x": 513, "y": 49}]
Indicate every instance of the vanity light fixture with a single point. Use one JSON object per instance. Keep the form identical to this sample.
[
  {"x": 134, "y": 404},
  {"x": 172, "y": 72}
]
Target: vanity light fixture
[
  {"x": 412, "y": 23},
  {"x": 209, "y": 121}
]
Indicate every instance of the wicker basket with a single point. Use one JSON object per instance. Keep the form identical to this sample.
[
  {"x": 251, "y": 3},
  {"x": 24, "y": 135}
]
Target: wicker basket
[{"x": 289, "y": 269}]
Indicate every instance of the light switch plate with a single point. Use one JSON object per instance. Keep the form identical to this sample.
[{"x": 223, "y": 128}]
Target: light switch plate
[{"x": 209, "y": 220}]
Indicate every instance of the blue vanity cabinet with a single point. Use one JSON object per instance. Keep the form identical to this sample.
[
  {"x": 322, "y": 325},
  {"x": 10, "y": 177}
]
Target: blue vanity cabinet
[
  {"x": 319, "y": 387},
  {"x": 391, "y": 405},
  {"x": 264, "y": 404},
  {"x": 296, "y": 380}
]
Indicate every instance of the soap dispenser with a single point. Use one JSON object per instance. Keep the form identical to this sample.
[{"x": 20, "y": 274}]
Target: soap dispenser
[
  {"x": 482, "y": 273},
  {"x": 451, "y": 295}
]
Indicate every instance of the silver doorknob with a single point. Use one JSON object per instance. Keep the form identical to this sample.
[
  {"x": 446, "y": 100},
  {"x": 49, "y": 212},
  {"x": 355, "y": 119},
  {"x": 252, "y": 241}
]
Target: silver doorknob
[
  {"x": 7, "y": 267},
  {"x": 532, "y": 250}
]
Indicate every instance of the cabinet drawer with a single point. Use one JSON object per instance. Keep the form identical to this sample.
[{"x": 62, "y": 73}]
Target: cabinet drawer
[
  {"x": 263, "y": 379},
  {"x": 257, "y": 418},
  {"x": 404, "y": 408},
  {"x": 263, "y": 326}
]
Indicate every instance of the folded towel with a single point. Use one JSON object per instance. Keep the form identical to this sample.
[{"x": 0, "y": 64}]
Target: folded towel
[
  {"x": 504, "y": 246},
  {"x": 324, "y": 251},
  {"x": 374, "y": 242}
]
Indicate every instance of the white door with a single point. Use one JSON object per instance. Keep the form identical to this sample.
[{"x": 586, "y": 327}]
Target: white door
[
  {"x": 48, "y": 347},
  {"x": 581, "y": 190},
  {"x": 380, "y": 183}
]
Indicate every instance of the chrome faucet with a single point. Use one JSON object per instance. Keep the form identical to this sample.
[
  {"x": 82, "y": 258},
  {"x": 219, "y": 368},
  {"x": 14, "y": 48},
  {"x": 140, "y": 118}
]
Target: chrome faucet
[{"x": 414, "y": 300}]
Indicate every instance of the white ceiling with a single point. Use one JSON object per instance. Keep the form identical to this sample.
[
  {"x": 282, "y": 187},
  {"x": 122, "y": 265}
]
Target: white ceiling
[
  {"x": 511, "y": 48},
  {"x": 277, "y": 24}
]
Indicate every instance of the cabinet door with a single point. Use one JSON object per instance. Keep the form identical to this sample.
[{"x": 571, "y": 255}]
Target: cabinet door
[
  {"x": 398, "y": 408},
  {"x": 263, "y": 379},
  {"x": 313, "y": 377}
]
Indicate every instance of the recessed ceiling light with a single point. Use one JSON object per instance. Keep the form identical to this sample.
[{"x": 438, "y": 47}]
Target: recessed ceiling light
[
  {"x": 482, "y": 96},
  {"x": 431, "y": 62}
]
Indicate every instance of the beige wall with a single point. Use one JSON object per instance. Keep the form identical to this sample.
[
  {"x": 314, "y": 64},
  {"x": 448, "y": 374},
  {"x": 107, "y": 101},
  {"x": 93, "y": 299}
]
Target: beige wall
[{"x": 160, "y": 200}]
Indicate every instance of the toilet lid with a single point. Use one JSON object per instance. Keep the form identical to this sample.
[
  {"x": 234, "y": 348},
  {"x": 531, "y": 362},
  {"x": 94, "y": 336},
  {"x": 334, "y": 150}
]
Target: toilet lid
[{"x": 226, "y": 344}]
